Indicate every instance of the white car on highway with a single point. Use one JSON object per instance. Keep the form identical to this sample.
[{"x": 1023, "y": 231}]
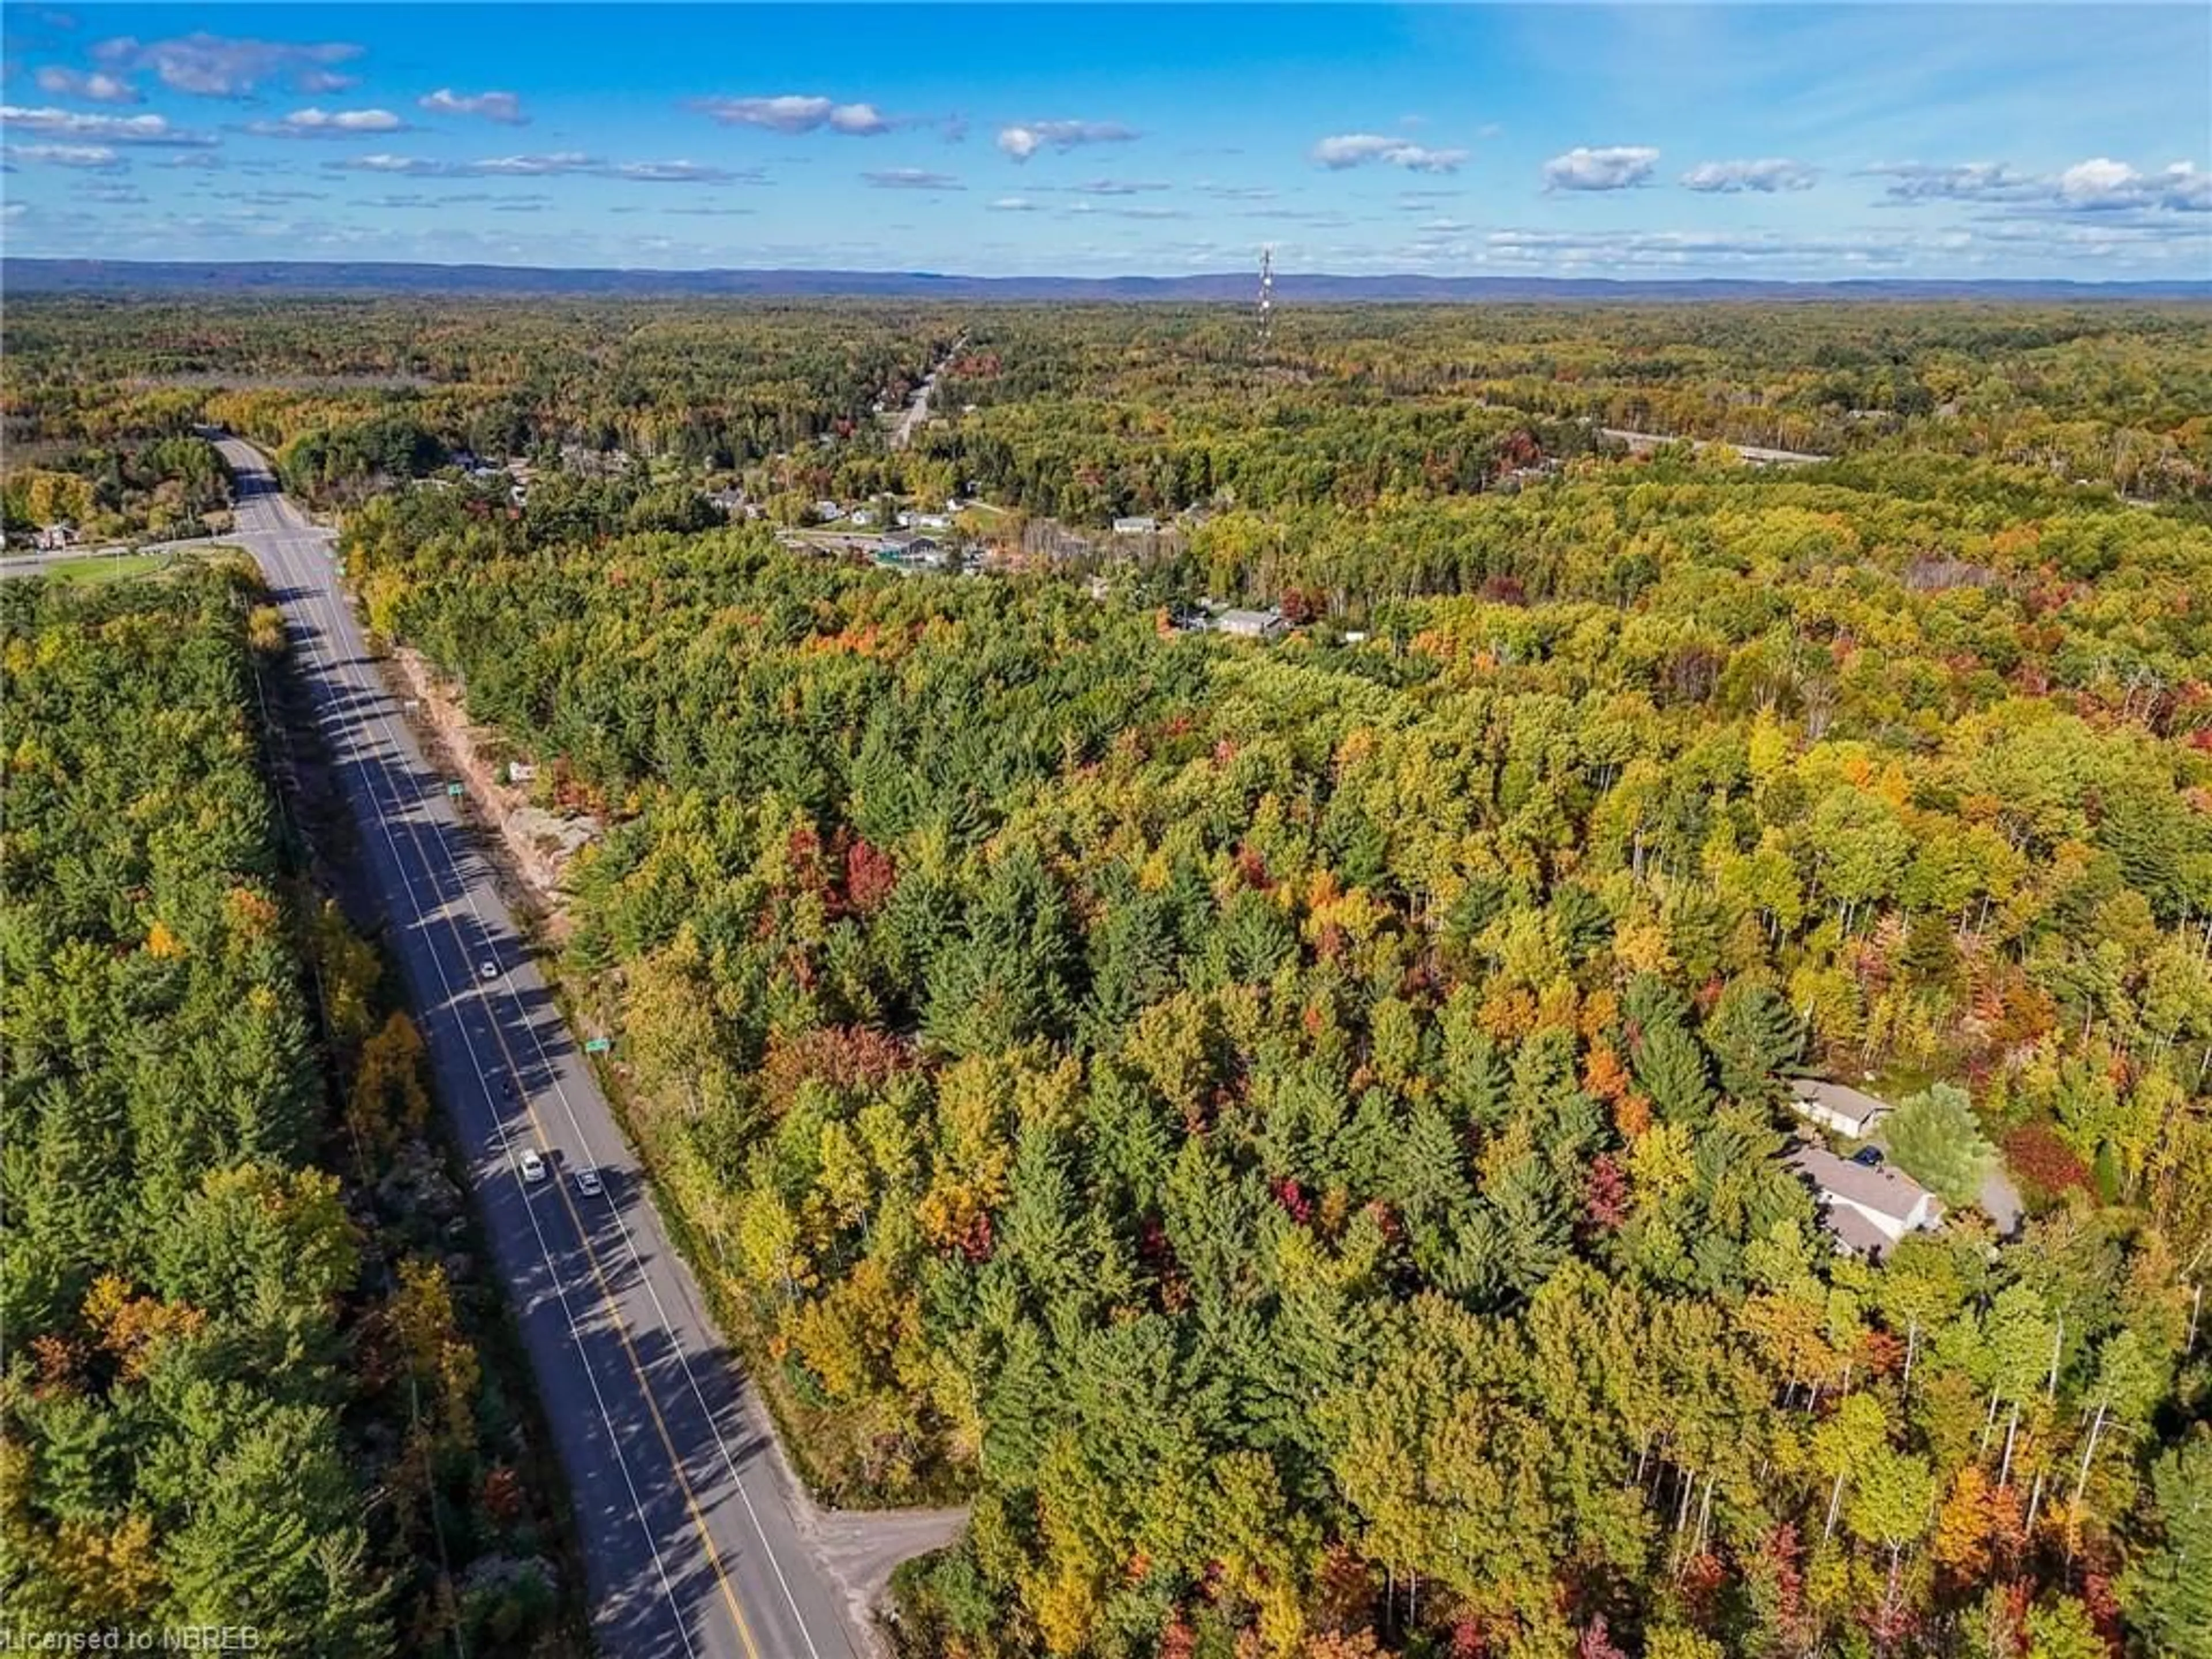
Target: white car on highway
[
  {"x": 588, "y": 1181},
  {"x": 487, "y": 969},
  {"x": 533, "y": 1166}
]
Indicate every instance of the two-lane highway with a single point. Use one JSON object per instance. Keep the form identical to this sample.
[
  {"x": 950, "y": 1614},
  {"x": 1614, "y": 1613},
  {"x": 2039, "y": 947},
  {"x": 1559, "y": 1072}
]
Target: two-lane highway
[{"x": 689, "y": 1531}]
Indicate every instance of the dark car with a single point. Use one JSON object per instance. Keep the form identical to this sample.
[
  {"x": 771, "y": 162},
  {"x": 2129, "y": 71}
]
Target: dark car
[{"x": 1870, "y": 1157}]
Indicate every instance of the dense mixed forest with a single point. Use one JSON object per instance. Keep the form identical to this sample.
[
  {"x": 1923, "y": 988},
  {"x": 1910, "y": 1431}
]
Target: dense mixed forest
[
  {"x": 1295, "y": 1130},
  {"x": 239, "y": 1391},
  {"x": 1085, "y": 412}
]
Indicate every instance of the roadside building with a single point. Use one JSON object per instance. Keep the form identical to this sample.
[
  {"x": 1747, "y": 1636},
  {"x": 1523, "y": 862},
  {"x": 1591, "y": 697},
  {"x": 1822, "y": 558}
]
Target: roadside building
[
  {"x": 1865, "y": 1210},
  {"x": 911, "y": 549},
  {"x": 1141, "y": 524}
]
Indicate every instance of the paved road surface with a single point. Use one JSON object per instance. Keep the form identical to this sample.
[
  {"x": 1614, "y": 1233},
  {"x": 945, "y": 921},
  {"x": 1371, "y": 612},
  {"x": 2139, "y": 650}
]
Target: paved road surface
[
  {"x": 1643, "y": 440},
  {"x": 917, "y": 410},
  {"x": 691, "y": 1535}
]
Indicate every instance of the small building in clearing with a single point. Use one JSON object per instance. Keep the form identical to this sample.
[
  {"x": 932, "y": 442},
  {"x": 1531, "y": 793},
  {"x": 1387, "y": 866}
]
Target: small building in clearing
[
  {"x": 1837, "y": 1106},
  {"x": 1141, "y": 524},
  {"x": 1865, "y": 1210},
  {"x": 1252, "y": 624}
]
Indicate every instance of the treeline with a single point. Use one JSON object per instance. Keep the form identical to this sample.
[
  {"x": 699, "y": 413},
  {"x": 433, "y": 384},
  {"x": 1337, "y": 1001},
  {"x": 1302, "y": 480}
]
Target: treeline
[
  {"x": 352, "y": 392},
  {"x": 1085, "y": 413},
  {"x": 1088, "y": 413},
  {"x": 165, "y": 486},
  {"x": 1298, "y": 1131},
  {"x": 237, "y": 1390}
]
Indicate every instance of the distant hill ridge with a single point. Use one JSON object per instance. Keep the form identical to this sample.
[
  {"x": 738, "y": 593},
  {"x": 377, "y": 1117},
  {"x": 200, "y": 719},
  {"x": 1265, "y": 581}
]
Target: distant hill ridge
[{"x": 123, "y": 276}]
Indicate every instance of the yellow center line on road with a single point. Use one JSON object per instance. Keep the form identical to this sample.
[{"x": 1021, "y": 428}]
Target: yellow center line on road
[
  {"x": 622, "y": 1330},
  {"x": 583, "y": 1233}
]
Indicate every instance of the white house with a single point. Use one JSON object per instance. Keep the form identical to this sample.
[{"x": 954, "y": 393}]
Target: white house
[
  {"x": 1141, "y": 524},
  {"x": 1867, "y": 1210},
  {"x": 1838, "y": 1107}
]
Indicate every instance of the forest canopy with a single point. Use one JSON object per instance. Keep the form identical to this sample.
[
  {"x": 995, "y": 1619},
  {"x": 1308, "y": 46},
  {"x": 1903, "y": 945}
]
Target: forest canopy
[
  {"x": 239, "y": 1390},
  {"x": 1298, "y": 1131}
]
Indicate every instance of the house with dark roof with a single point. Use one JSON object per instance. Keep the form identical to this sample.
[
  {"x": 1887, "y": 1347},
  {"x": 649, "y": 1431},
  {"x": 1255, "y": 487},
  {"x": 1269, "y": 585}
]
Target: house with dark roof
[{"x": 1865, "y": 1210}]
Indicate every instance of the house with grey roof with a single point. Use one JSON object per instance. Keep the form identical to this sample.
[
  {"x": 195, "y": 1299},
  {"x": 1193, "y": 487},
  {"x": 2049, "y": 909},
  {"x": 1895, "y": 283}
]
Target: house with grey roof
[
  {"x": 1252, "y": 624},
  {"x": 1865, "y": 1210},
  {"x": 1837, "y": 1106}
]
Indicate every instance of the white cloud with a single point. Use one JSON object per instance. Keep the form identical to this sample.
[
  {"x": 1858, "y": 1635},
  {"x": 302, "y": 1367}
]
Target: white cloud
[
  {"x": 104, "y": 129},
  {"x": 1013, "y": 204},
  {"x": 1613, "y": 166},
  {"x": 559, "y": 164},
  {"x": 1768, "y": 175},
  {"x": 217, "y": 66},
  {"x": 2100, "y": 185},
  {"x": 1969, "y": 181},
  {"x": 858, "y": 120},
  {"x": 503, "y": 108},
  {"x": 795, "y": 113},
  {"x": 56, "y": 81},
  {"x": 329, "y": 124},
  {"x": 1026, "y": 138},
  {"x": 1357, "y": 149},
  {"x": 1119, "y": 186},
  {"x": 96, "y": 157},
  {"x": 912, "y": 178},
  {"x": 677, "y": 173},
  {"x": 530, "y": 167}
]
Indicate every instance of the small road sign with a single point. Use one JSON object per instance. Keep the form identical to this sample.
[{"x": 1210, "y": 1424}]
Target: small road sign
[{"x": 598, "y": 1045}]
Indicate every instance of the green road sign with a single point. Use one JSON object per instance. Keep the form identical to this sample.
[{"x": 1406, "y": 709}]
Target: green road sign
[
  {"x": 597, "y": 1045},
  {"x": 454, "y": 790}
]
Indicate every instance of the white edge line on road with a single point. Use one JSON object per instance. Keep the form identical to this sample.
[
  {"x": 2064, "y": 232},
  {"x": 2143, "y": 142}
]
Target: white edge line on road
[{"x": 500, "y": 1131}]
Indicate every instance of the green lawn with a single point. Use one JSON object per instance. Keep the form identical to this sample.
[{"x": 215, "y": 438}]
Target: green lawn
[{"x": 113, "y": 567}]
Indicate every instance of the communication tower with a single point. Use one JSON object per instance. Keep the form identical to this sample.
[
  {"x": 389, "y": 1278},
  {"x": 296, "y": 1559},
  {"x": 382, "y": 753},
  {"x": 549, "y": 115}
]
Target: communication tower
[{"x": 1267, "y": 296}]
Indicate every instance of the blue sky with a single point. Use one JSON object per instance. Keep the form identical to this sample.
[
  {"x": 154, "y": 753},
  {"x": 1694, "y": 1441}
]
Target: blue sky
[{"x": 1864, "y": 140}]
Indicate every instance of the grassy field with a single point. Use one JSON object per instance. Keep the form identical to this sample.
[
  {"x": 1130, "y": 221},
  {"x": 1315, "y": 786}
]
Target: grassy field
[
  {"x": 96, "y": 568},
  {"x": 117, "y": 567}
]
